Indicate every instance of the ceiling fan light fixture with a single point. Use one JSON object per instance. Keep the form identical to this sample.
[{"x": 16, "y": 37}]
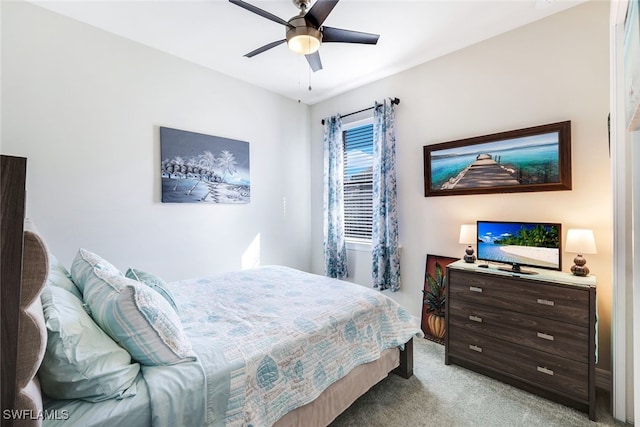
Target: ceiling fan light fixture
[
  {"x": 303, "y": 38},
  {"x": 303, "y": 44}
]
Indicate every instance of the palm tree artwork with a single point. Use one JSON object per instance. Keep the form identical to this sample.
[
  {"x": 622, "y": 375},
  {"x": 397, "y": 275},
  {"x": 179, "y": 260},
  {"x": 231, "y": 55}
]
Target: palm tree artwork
[
  {"x": 198, "y": 168},
  {"x": 434, "y": 297}
]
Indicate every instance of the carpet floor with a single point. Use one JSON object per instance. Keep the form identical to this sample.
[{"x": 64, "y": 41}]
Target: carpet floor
[{"x": 441, "y": 395}]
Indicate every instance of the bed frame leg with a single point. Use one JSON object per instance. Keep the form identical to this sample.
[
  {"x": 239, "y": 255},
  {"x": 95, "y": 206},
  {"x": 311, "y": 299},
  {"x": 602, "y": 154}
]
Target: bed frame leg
[{"x": 405, "y": 370}]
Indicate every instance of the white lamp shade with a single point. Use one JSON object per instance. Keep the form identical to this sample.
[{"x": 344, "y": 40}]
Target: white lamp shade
[
  {"x": 304, "y": 44},
  {"x": 580, "y": 241},
  {"x": 468, "y": 234}
]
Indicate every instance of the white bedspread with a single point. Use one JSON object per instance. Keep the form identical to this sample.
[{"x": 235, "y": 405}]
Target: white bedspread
[{"x": 273, "y": 338}]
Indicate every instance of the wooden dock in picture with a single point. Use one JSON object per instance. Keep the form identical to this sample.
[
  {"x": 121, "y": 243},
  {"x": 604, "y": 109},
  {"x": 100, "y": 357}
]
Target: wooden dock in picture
[{"x": 483, "y": 172}]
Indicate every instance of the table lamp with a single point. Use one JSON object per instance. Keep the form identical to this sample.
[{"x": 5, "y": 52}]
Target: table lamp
[
  {"x": 468, "y": 236},
  {"x": 580, "y": 241}
]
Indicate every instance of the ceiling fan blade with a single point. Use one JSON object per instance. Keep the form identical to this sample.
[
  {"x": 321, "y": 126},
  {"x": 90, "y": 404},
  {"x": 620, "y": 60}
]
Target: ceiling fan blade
[
  {"x": 264, "y": 48},
  {"x": 258, "y": 11},
  {"x": 314, "y": 61},
  {"x": 319, "y": 11},
  {"x": 339, "y": 35}
]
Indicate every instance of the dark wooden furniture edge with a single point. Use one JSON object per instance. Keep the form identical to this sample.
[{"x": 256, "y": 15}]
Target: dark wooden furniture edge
[
  {"x": 581, "y": 405},
  {"x": 446, "y": 316},
  {"x": 592, "y": 347},
  {"x": 405, "y": 370},
  {"x": 12, "y": 206}
]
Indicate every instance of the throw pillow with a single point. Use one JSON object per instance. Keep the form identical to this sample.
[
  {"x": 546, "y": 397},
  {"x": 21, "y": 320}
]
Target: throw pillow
[
  {"x": 134, "y": 315},
  {"x": 84, "y": 265},
  {"x": 154, "y": 282}
]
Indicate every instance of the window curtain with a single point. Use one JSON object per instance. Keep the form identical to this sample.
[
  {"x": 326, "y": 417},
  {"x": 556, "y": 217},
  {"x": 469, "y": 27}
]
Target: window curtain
[
  {"x": 384, "y": 239},
  {"x": 335, "y": 250}
]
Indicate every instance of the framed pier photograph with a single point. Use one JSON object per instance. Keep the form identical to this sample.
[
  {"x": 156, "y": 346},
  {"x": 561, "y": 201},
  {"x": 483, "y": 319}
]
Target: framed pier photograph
[{"x": 531, "y": 159}]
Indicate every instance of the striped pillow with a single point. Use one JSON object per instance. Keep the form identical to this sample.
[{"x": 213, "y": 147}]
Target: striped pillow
[
  {"x": 154, "y": 282},
  {"x": 134, "y": 315}
]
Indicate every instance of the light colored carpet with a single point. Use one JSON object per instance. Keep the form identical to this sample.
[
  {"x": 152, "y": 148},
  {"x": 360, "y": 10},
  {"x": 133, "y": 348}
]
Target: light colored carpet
[{"x": 442, "y": 396}]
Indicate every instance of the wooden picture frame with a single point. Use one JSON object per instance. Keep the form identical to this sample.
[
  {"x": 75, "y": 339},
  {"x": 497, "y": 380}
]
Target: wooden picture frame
[
  {"x": 434, "y": 297},
  {"x": 531, "y": 159}
]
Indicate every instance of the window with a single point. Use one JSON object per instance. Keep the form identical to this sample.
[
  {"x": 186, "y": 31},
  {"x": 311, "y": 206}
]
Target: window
[{"x": 358, "y": 180}]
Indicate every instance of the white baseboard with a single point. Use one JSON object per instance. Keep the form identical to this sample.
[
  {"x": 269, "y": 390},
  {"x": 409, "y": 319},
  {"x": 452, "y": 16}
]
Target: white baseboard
[{"x": 603, "y": 379}]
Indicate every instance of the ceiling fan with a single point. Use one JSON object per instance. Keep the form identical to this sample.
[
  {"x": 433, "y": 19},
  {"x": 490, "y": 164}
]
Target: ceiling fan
[{"x": 305, "y": 32}]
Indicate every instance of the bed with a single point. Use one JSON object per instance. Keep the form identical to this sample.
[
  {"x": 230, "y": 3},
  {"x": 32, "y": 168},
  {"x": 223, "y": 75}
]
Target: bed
[{"x": 266, "y": 346}]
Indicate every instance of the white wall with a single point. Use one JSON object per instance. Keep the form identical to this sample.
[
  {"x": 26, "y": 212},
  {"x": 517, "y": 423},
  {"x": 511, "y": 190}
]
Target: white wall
[
  {"x": 84, "y": 106},
  {"x": 552, "y": 70}
]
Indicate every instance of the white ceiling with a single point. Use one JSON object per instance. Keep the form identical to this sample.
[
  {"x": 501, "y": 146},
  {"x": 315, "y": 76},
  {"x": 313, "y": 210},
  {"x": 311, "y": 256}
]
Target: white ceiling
[{"x": 216, "y": 34}]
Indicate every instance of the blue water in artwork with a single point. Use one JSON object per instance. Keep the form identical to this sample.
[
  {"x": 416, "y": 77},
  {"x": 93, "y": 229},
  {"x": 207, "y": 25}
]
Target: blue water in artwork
[
  {"x": 448, "y": 167},
  {"x": 525, "y": 159}
]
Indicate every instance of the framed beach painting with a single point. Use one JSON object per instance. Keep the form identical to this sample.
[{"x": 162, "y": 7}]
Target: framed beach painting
[
  {"x": 531, "y": 159},
  {"x": 198, "y": 168}
]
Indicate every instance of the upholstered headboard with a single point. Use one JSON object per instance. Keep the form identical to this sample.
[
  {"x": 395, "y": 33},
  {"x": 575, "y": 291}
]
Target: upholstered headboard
[{"x": 32, "y": 340}]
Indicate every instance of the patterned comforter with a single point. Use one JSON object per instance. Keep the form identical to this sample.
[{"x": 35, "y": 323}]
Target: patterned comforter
[{"x": 272, "y": 339}]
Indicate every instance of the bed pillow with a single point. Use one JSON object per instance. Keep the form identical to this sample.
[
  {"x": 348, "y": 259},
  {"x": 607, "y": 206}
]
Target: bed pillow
[
  {"x": 60, "y": 277},
  {"x": 84, "y": 265},
  {"x": 134, "y": 315},
  {"x": 81, "y": 361},
  {"x": 154, "y": 282}
]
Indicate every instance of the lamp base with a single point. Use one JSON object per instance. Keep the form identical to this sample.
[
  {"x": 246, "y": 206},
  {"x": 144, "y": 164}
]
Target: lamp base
[
  {"x": 469, "y": 256},
  {"x": 579, "y": 268}
]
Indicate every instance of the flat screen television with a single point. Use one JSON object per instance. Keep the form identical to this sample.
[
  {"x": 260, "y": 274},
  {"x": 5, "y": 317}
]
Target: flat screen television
[{"x": 531, "y": 244}]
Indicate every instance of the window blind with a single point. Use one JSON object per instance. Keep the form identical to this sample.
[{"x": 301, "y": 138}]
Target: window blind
[{"x": 358, "y": 181}]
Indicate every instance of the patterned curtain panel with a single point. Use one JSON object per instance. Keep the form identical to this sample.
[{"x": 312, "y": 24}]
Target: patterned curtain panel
[
  {"x": 384, "y": 239},
  {"x": 335, "y": 250}
]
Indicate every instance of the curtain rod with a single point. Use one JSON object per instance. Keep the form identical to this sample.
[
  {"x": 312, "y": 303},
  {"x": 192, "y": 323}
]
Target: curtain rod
[{"x": 393, "y": 101}]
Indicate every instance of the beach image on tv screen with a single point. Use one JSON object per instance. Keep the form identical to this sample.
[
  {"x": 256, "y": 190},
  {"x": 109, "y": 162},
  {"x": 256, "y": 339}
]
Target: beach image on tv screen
[{"x": 535, "y": 245}]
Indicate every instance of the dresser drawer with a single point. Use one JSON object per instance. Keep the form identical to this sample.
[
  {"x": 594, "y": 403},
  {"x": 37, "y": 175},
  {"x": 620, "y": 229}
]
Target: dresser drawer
[
  {"x": 559, "y": 302},
  {"x": 561, "y": 339},
  {"x": 543, "y": 369}
]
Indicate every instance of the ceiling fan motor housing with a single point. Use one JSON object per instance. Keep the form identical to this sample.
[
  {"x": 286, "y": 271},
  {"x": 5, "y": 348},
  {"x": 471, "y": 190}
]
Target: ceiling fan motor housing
[
  {"x": 301, "y": 4},
  {"x": 302, "y": 37}
]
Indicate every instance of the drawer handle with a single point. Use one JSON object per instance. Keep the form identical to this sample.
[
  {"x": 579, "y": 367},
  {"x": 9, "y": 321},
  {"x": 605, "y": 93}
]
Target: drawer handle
[
  {"x": 475, "y": 318},
  {"x": 545, "y": 302},
  {"x": 475, "y": 348},
  {"x": 545, "y": 370},
  {"x": 475, "y": 289},
  {"x": 545, "y": 336}
]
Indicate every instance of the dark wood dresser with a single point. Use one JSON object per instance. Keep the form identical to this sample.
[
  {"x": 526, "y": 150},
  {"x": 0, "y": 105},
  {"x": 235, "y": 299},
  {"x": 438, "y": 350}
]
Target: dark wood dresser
[{"x": 535, "y": 332}]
